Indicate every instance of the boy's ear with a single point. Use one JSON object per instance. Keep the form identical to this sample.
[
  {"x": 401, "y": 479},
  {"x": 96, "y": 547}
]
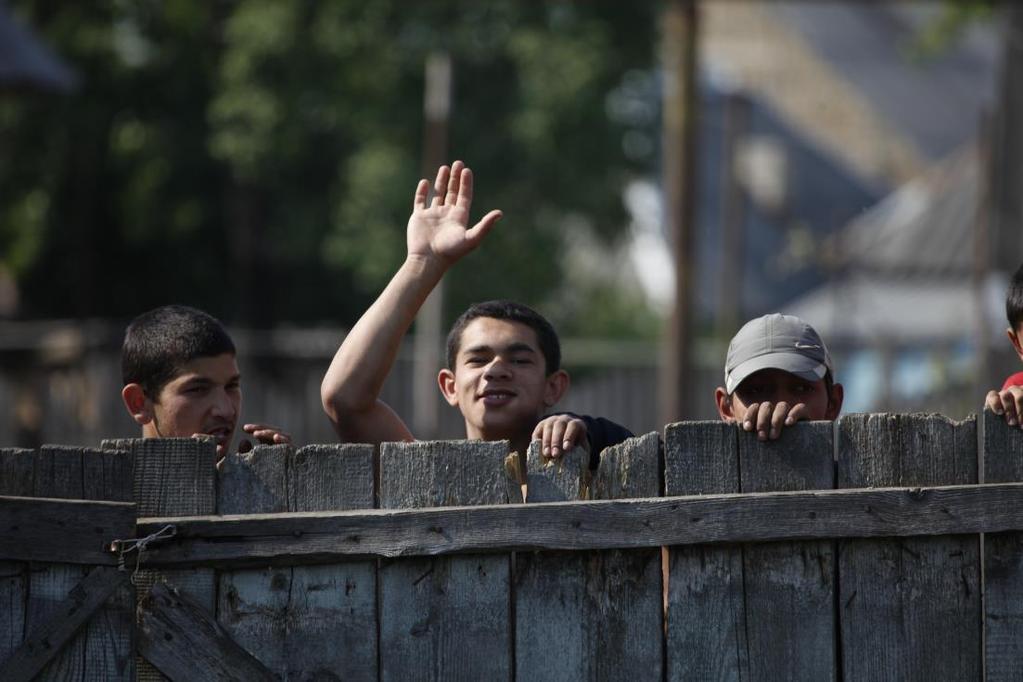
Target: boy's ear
[
  {"x": 557, "y": 384},
  {"x": 1014, "y": 338},
  {"x": 835, "y": 402},
  {"x": 446, "y": 381},
  {"x": 724, "y": 404},
  {"x": 139, "y": 406}
]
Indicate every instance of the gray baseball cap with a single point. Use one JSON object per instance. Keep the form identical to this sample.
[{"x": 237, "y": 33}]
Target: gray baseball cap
[{"x": 776, "y": 341}]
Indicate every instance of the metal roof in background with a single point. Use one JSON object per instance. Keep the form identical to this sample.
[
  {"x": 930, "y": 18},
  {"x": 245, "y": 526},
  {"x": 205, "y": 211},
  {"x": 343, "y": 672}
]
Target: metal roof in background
[
  {"x": 26, "y": 64},
  {"x": 926, "y": 228},
  {"x": 935, "y": 100}
]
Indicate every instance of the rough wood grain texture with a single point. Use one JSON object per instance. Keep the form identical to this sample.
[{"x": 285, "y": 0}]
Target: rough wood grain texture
[
  {"x": 184, "y": 643},
  {"x": 563, "y": 479},
  {"x": 103, "y": 650},
  {"x": 444, "y": 618},
  {"x": 173, "y": 476},
  {"x": 1003, "y": 557},
  {"x": 909, "y": 608},
  {"x": 16, "y": 468},
  {"x": 67, "y": 619},
  {"x": 302, "y": 622},
  {"x": 66, "y": 531},
  {"x": 626, "y": 602},
  {"x": 550, "y": 588},
  {"x": 790, "y": 586},
  {"x": 304, "y": 538},
  {"x": 608, "y": 616},
  {"x": 706, "y": 636}
]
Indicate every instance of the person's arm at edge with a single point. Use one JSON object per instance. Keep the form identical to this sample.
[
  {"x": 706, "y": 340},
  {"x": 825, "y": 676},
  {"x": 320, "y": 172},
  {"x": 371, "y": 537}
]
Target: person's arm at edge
[{"x": 437, "y": 237}]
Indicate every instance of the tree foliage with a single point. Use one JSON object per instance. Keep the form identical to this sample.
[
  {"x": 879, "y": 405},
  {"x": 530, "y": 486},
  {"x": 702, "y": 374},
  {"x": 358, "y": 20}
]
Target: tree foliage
[{"x": 257, "y": 158}]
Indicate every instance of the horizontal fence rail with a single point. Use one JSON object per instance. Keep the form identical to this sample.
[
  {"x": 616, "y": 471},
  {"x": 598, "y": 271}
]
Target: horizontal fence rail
[
  {"x": 847, "y": 550},
  {"x": 301, "y": 537}
]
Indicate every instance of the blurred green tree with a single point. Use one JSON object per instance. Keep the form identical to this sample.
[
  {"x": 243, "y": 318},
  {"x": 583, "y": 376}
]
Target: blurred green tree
[{"x": 257, "y": 158}]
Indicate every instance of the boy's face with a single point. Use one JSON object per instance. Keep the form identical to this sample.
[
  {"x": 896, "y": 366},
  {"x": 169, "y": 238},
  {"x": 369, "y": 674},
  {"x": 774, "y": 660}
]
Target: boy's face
[
  {"x": 204, "y": 398},
  {"x": 776, "y": 386},
  {"x": 499, "y": 380}
]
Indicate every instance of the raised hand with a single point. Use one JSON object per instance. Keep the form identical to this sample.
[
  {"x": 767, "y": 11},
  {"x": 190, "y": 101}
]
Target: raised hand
[{"x": 438, "y": 229}]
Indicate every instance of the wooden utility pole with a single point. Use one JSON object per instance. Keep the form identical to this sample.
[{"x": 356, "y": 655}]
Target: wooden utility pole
[
  {"x": 678, "y": 54},
  {"x": 733, "y": 215},
  {"x": 429, "y": 323},
  {"x": 1004, "y": 195}
]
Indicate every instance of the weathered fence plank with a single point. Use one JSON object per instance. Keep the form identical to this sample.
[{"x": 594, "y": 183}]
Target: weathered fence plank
[
  {"x": 909, "y": 608},
  {"x": 1003, "y": 557},
  {"x": 173, "y": 476},
  {"x": 67, "y": 619},
  {"x": 550, "y": 587},
  {"x": 790, "y": 586},
  {"x": 104, "y": 649},
  {"x": 184, "y": 642},
  {"x": 706, "y": 635},
  {"x": 626, "y": 607},
  {"x": 594, "y": 616},
  {"x": 16, "y": 468},
  {"x": 445, "y": 618},
  {"x": 305, "y": 538},
  {"x": 70, "y": 531},
  {"x": 312, "y": 621}
]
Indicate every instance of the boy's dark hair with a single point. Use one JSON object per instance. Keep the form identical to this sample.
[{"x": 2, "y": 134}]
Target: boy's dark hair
[
  {"x": 1014, "y": 300},
  {"x": 158, "y": 342},
  {"x": 516, "y": 312}
]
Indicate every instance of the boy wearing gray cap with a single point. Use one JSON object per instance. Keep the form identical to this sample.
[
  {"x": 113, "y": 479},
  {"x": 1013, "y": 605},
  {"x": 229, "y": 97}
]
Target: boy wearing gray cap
[{"x": 778, "y": 371}]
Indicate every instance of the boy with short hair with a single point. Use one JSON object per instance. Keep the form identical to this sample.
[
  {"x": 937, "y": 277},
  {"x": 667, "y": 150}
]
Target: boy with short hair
[
  {"x": 778, "y": 371},
  {"x": 503, "y": 359},
  {"x": 1009, "y": 401},
  {"x": 181, "y": 379}
]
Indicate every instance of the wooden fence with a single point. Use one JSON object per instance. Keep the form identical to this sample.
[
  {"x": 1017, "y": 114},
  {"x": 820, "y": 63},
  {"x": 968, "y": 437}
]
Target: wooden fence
[{"x": 876, "y": 547}]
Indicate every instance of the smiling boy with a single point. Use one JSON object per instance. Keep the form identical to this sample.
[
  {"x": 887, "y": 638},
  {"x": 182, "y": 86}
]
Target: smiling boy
[
  {"x": 181, "y": 379},
  {"x": 777, "y": 372},
  {"x": 503, "y": 358}
]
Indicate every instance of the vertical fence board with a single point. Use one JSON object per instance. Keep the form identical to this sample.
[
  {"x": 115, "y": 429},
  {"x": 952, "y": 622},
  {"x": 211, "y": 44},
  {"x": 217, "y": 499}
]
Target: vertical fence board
[
  {"x": 444, "y": 618},
  {"x": 790, "y": 586},
  {"x": 305, "y": 622},
  {"x": 626, "y": 609},
  {"x": 910, "y": 607},
  {"x": 593, "y": 615},
  {"x": 1003, "y": 557},
  {"x": 16, "y": 465},
  {"x": 706, "y": 635},
  {"x": 550, "y": 587},
  {"x": 103, "y": 649},
  {"x": 172, "y": 477}
]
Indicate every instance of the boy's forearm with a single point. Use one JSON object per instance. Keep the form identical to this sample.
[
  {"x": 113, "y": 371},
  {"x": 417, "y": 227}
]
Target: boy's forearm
[{"x": 357, "y": 373}]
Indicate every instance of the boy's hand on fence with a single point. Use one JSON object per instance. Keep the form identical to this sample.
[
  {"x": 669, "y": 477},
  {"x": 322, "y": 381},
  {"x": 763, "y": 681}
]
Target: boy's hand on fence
[
  {"x": 560, "y": 433},
  {"x": 1008, "y": 403},
  {"x": 267, "y": 435},
  {"x": 438, "y": 229},
  {"x": 767, "y": 418}
]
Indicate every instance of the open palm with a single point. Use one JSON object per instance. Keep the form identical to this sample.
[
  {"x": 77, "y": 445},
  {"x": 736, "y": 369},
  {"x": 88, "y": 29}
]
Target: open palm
[{"x": 439, "y": 228}]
